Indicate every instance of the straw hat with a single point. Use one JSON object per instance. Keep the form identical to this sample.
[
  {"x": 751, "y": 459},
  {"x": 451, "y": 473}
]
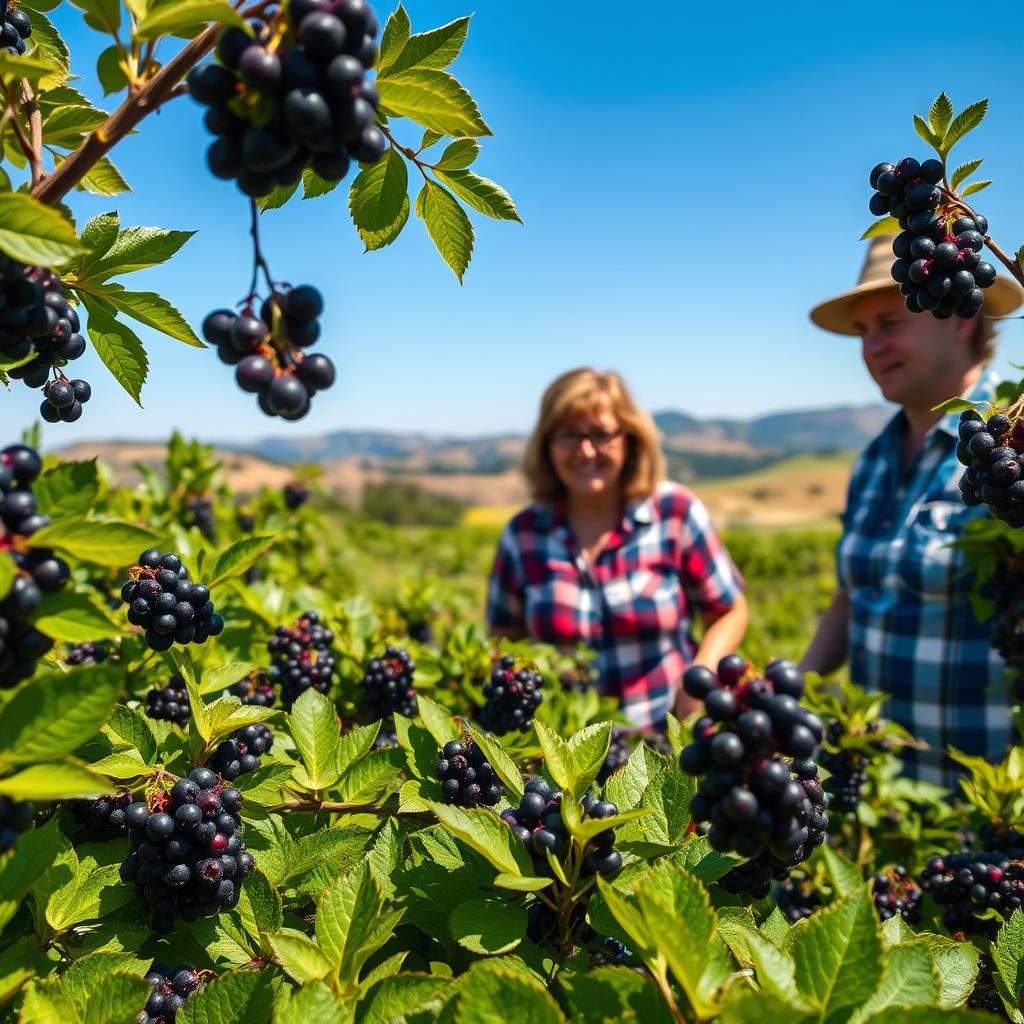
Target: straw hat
[{"x": 836, "y": 314}]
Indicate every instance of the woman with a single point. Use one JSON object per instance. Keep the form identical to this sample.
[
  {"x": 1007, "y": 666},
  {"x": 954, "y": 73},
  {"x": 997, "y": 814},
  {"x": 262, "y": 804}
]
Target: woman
[{"x": 611, "y": 555}]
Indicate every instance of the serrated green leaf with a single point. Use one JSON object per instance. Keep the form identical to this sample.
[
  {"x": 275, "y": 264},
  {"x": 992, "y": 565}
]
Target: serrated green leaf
[
  {"x": 481, "y": 193},
  {"x": 313, "y": 1002},
  {"x": 976, "y": 186},
  {"x": 7, "y": 573},
  {"x": 489, "y": 925},
  {"x": 315, "y": 729},
  {"x": 588, "y": 749},
  {"x": 1008, "y": 958},
  {"x": 504, "y": 767},
  {"x": 259, "y": 907},
  {"x": 963, "y": 172},
  {"x": 488, "y": 994},
  {"x": 967, "y": 120},
  {"x": 483, "y": 831},
  {"x": 150, "y": 309},
  {"x": 348, "y": 920},
  {"x": 184, "y": 16},
  {"x": 940, "y": 114},
  {"x": 138, "y": 248},
  {"x": 99, "y": 541},
  {"x": 439, "y": 723},
  {"x": 92, "y": 892},
  {"x": 313, "y": 186},
  {"x": 921, "y": 126},
  {"x": 394, "y": 999},
  {"x": 433, "y": 99},
  {"x": 239, "y": 558},
  {"x": 909, "y": 979},
  {"x": 378, "y": 193},
  {"x": 31, "y": 232},
  {"x": 396, "y": 34},
  {"x": 239, "y": 996},
  {"x": 110, "y": 71},
  {"x": 117, "y": 998},
  {"x": 32, "y": 69},
  {"x": 838, "y": 954},
  {"x": 56, "y": 714},
  {"x": 458, "y": 154},
  {"x": 277, "y": 198},
  {"x": 119, "y": 348},
  {"x": 842, "y": 873},
  {"x": 434, "y": 49},
  {"x": 102, "y": 179}
]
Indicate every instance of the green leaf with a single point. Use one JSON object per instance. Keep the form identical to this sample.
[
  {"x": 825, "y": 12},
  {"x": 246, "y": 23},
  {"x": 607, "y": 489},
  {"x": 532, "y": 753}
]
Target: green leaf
[
  {"x": 138, "y": 249},
  {"x": 481, "y": 193},
  {"x": 956, "y": 965},
  {"x": 396, "y": 34},
  {"x": 99, "y": 235},
  {"x": 313, "y": 1002},
  {"x": 32, "y": 69},
  {"x": 374, "y": 240},
  {"x": 1008, "y": 957},
  {"x": 92, "y": 892},
  {"x": 842, "y": 873},
  {"x": 7, "y": 572},
  {"x": 102, "y": 179},
  {"x": 315, "y": 729},
  {"x": 37, "y": 850},
  {"x": 940, "y": 114},
  {"x": 976, "y": 186},
  {"x": 504, "y": 767},
  {"x": 435, "y": 49},
  {"x": 483, "y": 831},
  {"x": 921, "y": 126},
  {"x": 57, "y": 713},
  {"x": 276, "y": 199},
  {"x": 313, "y": 186},
  {"x": 299, "y": 957},
  {"x": 958, "y": 405},
  {"x": 909, "y": 979},
  {"x": 75, "y": 617},
  {"x": 259, "y": 906},
  {"x": 69, "y": 489},
  {"x": 99, "y": 541},
  {"x": 150, "y": 309},
  {"x": 588, "y": 749},
  {"x": 31, "y": 232},
  {"x": 110, "y": 71},
  {"x": 489, "y": 925},
  {"x": 430, "y": 138},
  {"x": 239, "y": 996},
  {"x": 557, "y": 756},
  {"x": 839, "y": 954},
  {"x": 239, "y": 558},
  {"x": 458, "y": 154},
  {"x": 967, "y": 120},
  {"x": 929, "y": 1015},
  {"x": 378, "y": 193},
  {"x": 963, "y": 172},
  {"x": 439, "y": 723},
  {"x": 488, "y": 995},
  {"x": 103, "y": 15},
  {"x": 55, "y": 780},
  {"x": 186, "y": 16},
  {"x": 20, "y": 961},
  {"x": 882, "y": 226},
  {"x": 433, "y": 99},
  {"x": 83, "y": 976},
  {"x": 119, "y": 348},
  {"x": 393, "y": 1000}
]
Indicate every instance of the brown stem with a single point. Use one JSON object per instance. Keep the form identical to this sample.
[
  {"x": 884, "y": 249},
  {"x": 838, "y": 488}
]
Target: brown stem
[
  {"x": 333, "y": 807},
  {"x": 35, "y": 124},
  {"x": 19, "y": 133}
]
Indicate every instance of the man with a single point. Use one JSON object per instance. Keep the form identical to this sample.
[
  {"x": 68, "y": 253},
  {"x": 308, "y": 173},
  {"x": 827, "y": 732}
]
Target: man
[{"x": 901, "y": 613}]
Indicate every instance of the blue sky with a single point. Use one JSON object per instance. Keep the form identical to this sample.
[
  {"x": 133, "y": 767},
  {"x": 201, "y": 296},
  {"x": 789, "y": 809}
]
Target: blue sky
[{"x": 692, "y": 181}]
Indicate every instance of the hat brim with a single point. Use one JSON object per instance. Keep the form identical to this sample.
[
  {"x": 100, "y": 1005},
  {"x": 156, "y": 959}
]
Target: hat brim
[{"x": 837, "y": 314}]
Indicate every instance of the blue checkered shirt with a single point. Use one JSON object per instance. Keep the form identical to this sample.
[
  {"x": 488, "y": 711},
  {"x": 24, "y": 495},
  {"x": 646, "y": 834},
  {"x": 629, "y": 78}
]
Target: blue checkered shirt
[{"x": 912, "y": 632}]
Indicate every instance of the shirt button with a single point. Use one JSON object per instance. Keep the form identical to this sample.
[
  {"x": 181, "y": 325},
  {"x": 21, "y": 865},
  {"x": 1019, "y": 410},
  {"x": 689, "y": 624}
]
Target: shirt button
[{"x": 886, "y": 524}]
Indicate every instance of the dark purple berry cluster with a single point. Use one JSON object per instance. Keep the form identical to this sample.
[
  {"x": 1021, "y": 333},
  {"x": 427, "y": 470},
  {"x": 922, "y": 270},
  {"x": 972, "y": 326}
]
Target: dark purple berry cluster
[
  {"x": 15, "y": 28},
  {"x": 993, "y": 452},
  {"x": 38, "y": 570},
  {"x": 798, "y": 896},
  {"x": 15, "y": 817},
  {"x": 751, "y": 723},
  {"x": 301, "y": 658},
  {"x": 162, "y": 598},
  {"x": 579, "y": 679},
  {"x": 241, "y": 752},
  {"x": 170, "y": 988},
  {"x": 266, "y": 350},
  {"x": 895, "y": 892},
  {"x": 968, "y": 884},
  {"x": 187, "y": 856},
  {"x": 387, "y": 685},
  {"x": 102, "y": 818},
  {"x": 37, "y": 320},
  {"x": 200, "y": 514},
  {"x": 295, "y": 496},
  {"x": 994, "y": 836},
  {"x": 537, "y": 822},
  {"x": 938, "y": 263},
  {"x": 467, "y": 779},
  {"x": 85, "y": 654},
  {"x": 619, "y": 750},
  {"x": 511, "y": 697},
  {"x": 292, "y": 94},
  {"x": 985, "y": 995},
  {"x": 169, "y": 703},
  {"x": 254, "y": 689}
]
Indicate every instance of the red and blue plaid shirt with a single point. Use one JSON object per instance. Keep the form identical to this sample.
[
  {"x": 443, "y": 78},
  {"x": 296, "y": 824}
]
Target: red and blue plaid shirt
[{"x": 634, "y": 606}]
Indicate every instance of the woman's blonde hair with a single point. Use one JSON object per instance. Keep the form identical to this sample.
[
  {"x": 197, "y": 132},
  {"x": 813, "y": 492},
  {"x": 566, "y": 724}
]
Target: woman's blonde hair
[{"x": 583, "y": 391}]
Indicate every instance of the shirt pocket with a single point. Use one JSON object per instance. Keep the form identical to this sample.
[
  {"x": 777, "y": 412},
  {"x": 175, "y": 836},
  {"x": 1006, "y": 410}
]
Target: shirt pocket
[
  {"x": 930, "y": 567},
  {"x": 648, "y": 600}
]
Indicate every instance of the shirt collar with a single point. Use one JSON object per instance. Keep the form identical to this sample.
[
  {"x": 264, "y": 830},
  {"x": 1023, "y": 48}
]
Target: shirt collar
[{"x": 637, "y": 512}]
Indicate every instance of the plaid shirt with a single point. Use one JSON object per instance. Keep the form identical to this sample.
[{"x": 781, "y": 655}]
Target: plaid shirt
[
  {"x": 912, "y": 632},
  {"x": 634, "y": 605}
]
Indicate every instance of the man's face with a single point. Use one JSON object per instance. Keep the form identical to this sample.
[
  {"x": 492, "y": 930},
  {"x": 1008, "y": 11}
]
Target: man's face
[{"x": 910, "y": 356}]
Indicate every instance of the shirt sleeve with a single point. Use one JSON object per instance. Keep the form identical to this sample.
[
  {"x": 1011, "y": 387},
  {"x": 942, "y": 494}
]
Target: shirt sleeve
[
  {"x": 505, "y": 591},
  {"x": 711, "y": 580}
]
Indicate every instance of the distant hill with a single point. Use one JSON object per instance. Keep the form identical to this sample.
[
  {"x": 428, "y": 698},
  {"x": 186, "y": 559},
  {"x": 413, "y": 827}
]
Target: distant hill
[{"x": 484, "y": 470}]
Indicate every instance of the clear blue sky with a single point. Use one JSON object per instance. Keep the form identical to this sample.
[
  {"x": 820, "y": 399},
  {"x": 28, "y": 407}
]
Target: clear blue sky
[{"x": 691, "y": 179}]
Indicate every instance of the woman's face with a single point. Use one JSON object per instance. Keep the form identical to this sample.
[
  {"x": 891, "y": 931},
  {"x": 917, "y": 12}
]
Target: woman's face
[{"x": 588, "y": 452}]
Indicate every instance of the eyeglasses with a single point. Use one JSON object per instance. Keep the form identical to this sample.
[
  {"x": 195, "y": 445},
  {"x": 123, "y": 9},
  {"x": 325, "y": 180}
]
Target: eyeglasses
[{"x": 570, "y": 440}]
